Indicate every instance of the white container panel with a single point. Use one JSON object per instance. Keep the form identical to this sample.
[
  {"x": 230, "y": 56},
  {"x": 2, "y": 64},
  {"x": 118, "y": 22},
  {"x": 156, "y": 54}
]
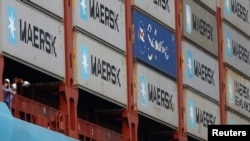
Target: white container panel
[
  {"x": 163, "y": 10},
  {"x": 102, "y": 18},
  {"x": 199, "y": 113},
  {"x": 237, "y": 92},
  {"x": 27, "y": 37},
  {"x": 200, "y": 71},
  {"x": 100, "y": 69},
  {"x": 156, "y": 95}
]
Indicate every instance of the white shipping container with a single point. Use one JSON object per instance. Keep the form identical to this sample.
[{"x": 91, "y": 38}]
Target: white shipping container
[
  {"x": 27, "y": 37},
  {"x": 100, "y": 69},
  {"x": 102, "y": 18},
  {"x": 200, "y": 71},
  {"x": 236, "y": 49},
  {"x": 199, "y": 25},
  {"x": 237, "y": 92},
  {"x": 237, "y": 13},
  {"x": 156, "y": 95},
  {"x": 163, "y": 10},
  {"x": 199, "y": 113}
]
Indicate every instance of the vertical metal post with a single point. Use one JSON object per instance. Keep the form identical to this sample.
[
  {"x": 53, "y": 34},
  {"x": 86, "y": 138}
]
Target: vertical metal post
[
  {"x": 68, "y": 93},
  {"x": 221, "y": 67},
  {"x": 180, "y": 135},
  {"x": 130, "y": 117}
]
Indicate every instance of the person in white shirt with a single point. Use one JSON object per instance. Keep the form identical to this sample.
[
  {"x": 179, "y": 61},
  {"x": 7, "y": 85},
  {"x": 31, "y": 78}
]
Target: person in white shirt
[{"x": 8, "y": 92}]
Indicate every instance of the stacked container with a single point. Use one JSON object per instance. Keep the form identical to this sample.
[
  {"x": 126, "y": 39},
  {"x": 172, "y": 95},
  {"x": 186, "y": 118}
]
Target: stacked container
[
  {"x": 200, "y": 67},
  {"x": 155, "y": 53},
  {"x": 100, "y": 47},
  {"x": 236, "y": 55}
]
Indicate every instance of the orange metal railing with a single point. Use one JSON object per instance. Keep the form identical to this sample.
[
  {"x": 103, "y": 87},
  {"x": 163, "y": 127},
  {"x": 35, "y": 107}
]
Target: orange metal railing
[
  {"x": 51, "y": 118},
  {"x": 90, "y": 131},
  {"x": 37, "y": 113}
]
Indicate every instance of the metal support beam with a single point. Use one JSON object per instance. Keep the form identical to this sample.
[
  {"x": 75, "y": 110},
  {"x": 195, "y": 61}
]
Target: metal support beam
[
  {"x": 68, "y": 104},
  {"x": 68, "y": 93},
  {"x": 130, "y": 117},
  {"x": 180, "y": 135},
  {"x": 130, "y": 126},
  {"x": 221, "y": 67}
]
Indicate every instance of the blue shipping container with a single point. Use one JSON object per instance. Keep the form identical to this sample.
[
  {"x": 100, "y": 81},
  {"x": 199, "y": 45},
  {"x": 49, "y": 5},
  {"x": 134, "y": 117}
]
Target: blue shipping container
[{"x": 154, "y": 44}]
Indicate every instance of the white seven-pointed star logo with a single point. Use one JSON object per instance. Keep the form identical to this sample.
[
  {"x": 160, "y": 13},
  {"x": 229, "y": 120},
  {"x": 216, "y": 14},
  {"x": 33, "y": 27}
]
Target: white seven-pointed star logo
[
  {"x": 227, "y": 3},
  {"x": 227, "y": 8},
  {"x": 11, "y": 25},
  {"x": 230, "y": 90},
  {"x": 189, "y": 65},
  {"x": 188, "y": 18},
  {"x": 143, "y": 91},
  {"x": 84, "y": 62},
  {"x": 229, "y": 45},
  {"x": 83, "y": 5},
  {"x": 191, "y": 113}
]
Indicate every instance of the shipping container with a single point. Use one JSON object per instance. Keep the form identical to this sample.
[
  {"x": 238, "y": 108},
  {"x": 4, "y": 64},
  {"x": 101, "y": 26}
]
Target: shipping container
[
  {"x": 100, "y": 69},
  {"x": 156, "y": 95},
  {"x": 27, "y": 37},
  {"x": 212, "y": 4},
  {"x": 200, "y": 71},
  {"x": 199, "y": 113},
  {"x": 154, "y": 44},
  {"x": 199, "y": 25},
  {"x": 236, "y": 49},
  {"x": 235, "y": 119},
  {"x": 53, "y": 6},
  {"x": 236, "y": 12},
  {"x": 237, "y": 92},
  {"x": 162, "y": 10},
  {"x": 102, "y": 18}
]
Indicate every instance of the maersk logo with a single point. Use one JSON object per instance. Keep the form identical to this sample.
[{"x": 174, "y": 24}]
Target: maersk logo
[
  {"x": 164, "y": 4},
  {"x": 198, "y": 69},
  {"x": 105, "y": 70},
  {"x": 198, "y": 23},
  {"x": 188, "y": 19},
  {"x": 143, "y": 89},
  {"x": 12, "y": 24},
  {"x": 237, "y": 9},
  {"x": 31, "y": 35},
  {"x": 229, "y": 49},
  {"x": 230, "y": 89},
  {"x": 100, "y": 13},
  {"x": 85, "y": 62},
  {"x": 84, "y": 9},
  {"x": 199, "y": 116},
  {"x": 189, "y": 64},
  {"x": 191, "y": 115},
  {"x": 227, "y": 7}
]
